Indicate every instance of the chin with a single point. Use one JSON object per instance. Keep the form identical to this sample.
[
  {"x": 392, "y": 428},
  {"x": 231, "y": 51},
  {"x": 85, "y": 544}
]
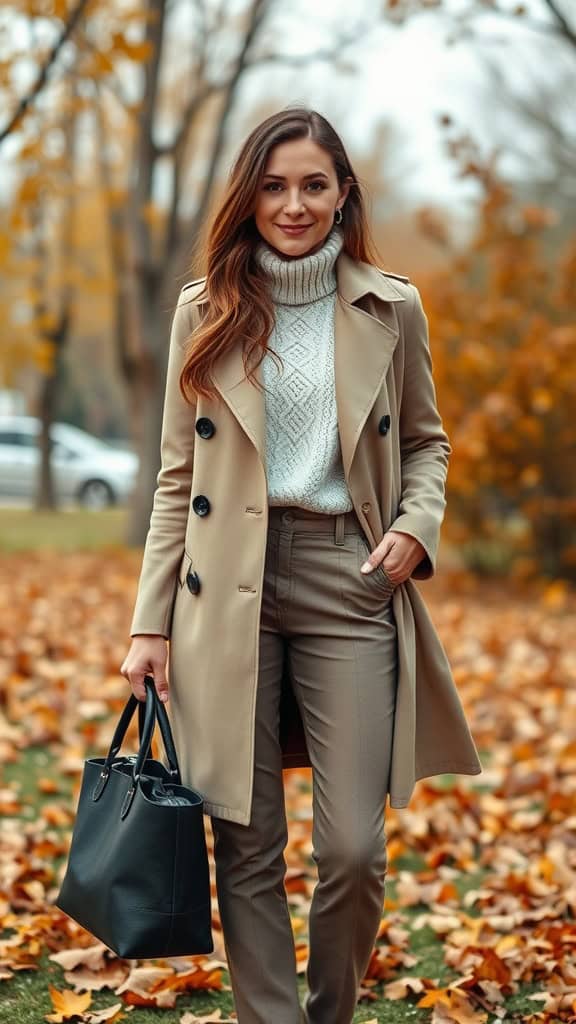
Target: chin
[{"x": 296, "y": 246}]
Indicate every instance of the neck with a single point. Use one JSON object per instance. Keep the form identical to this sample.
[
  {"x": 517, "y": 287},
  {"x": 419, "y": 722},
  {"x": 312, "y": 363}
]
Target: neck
[{"x": 304, "y": 279}]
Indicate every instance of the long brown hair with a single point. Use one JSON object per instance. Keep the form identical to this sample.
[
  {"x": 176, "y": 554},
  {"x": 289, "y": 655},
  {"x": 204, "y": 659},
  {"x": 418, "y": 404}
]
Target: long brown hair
[{"x": 239, "y": 307}]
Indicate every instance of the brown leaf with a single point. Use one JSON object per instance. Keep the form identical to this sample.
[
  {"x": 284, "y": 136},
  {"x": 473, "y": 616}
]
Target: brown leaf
[
  {"x": 214, "y": 1017},
  {"x": 93, "y": 957},
  {"x": 111, "y": 1014},
  {"x": 109, "y": 976},
  {"x": 402, "y": 987},
  {"x": 457, "y": 1009}
]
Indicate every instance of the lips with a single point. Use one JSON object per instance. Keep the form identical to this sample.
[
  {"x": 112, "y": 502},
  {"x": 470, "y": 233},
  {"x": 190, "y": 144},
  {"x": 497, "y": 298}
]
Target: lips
[{"x": 294, "y": 229}]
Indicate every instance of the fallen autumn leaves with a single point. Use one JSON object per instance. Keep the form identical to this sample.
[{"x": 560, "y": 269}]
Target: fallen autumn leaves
[{"x": 486, "y": 868}]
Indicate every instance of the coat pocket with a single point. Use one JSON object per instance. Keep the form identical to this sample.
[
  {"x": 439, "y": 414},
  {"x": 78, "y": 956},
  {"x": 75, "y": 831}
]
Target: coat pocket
[{"x": 185, "y": 563}]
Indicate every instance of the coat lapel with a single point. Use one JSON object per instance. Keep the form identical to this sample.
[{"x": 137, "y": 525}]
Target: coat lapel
[
  {"x": 365, "y": 337},
  {"x": 244, "y": 400},
  {"x": 364, "y": 340}
]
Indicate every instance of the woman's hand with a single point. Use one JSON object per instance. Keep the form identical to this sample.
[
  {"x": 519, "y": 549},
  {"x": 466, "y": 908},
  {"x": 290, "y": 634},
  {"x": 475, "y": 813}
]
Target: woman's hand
[
  {"x": 148, "y": 655},
  {"x": 404, "y": 551}
]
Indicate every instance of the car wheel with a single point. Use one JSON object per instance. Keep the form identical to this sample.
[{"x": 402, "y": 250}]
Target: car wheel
[{"x": 96, "y": 494}]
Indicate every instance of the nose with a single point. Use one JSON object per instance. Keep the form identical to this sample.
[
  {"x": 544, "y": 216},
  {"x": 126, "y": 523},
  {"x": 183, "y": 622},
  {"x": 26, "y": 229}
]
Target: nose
[{"x": 293, "y": 204}]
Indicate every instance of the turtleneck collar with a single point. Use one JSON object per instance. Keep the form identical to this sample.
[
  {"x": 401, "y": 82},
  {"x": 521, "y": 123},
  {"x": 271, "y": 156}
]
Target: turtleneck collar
[{"x": 295, "y": 282}]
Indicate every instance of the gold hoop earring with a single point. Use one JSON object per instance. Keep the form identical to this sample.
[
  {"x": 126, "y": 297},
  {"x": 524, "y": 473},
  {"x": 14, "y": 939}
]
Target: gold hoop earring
[{"x": 338, "y": 216}]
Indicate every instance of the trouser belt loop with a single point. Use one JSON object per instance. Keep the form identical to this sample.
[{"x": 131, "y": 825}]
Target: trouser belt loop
[{"x": 339, "y": 528}]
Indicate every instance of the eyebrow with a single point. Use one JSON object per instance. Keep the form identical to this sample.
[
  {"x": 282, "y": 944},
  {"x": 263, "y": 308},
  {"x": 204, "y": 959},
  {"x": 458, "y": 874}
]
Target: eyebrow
[{"x": 281, "y": 177}]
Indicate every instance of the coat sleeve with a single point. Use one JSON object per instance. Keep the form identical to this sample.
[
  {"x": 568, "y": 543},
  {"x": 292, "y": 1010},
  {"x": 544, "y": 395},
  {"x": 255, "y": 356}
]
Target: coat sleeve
[
  {"x": 164, "y": 546},
  {"x": 424, "y": 444}
]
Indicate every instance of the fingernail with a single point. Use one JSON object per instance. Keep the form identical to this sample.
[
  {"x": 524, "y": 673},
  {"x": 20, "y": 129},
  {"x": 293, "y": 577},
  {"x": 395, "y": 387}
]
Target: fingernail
[
  {"x": 366, "y": 567},
  {"x": 164, "y": 696}
]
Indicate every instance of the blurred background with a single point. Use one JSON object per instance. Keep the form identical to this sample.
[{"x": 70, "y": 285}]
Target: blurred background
[{"x": 119, "y": 122}]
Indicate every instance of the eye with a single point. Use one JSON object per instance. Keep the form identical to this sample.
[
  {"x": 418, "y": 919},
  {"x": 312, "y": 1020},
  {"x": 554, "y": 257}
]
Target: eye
[
  {"x": 271, "y": 186},
  {"x": 320, "y": 185}
]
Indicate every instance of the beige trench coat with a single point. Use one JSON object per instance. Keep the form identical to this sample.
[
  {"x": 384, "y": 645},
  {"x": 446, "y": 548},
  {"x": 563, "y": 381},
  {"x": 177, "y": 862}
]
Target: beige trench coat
[{"x": 396, "y": 481}]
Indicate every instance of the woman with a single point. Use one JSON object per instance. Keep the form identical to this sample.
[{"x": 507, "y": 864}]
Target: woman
[{"x": 297, "y": 501}]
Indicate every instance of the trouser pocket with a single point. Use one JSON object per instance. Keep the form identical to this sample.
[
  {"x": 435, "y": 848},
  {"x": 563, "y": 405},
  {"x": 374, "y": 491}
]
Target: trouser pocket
[{"x": 378, "y": 577}]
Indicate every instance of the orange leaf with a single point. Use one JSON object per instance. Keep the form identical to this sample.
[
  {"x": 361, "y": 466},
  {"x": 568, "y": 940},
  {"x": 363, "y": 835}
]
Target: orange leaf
[{"x": 67, "y": 1004}]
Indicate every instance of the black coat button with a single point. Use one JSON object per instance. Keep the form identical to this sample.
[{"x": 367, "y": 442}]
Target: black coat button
[
  {"x": 384, "y": 424},
  {"x": 193, "y": 582},
  {"x": 205, "y": 428},
  {"x": 201, "y": 505}
]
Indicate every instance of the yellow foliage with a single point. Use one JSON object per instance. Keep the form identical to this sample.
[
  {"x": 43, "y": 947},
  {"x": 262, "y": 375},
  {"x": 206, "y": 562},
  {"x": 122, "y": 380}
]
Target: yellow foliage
[
  {"x": 44, "y": 353},
  {"x": 137, "y": 51},
  {"x": 67, "y": 1004},
  {"x": 503, "y": 334}
]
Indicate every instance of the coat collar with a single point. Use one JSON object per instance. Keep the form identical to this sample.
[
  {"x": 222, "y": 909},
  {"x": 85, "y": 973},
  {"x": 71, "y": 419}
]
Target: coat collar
[
  {"x": 356, "y": 279},
  {"x": 364, "y": 341}
]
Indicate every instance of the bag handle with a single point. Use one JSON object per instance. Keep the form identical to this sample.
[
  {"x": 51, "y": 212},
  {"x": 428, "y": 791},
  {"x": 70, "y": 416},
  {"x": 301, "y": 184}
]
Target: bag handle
[
  {"x": 152, "y": 711},
  {"x": 165, "y": 729}
]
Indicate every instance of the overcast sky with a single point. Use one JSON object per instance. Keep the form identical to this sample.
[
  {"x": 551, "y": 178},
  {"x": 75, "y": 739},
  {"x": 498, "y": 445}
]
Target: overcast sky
[{"x": 406, "y": 77}]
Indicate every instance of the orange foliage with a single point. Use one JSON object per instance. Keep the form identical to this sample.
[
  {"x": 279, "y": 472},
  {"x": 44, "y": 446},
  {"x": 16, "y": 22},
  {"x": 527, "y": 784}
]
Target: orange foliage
[
  {"x": 494, "y": 876},
  {"x": 503, "y": 327}
]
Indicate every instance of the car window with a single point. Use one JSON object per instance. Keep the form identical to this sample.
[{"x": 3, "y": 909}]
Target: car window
[
  {"x": 57, "y": 448},
  {"x": 16, "y": 437}
]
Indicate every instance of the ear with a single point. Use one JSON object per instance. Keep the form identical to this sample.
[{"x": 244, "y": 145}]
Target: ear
[{"x": 345, "y": 188}]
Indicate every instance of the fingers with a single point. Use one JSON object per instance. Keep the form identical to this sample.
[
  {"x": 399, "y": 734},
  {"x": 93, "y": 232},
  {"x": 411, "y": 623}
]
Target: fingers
[
  {"x": 370, "y": 563},
  {"x": 376, "y": 558},
  {"x": 373, "y": 560},
  {"x": 147, "y": 659},
  {"x": 161, "y": 682}
]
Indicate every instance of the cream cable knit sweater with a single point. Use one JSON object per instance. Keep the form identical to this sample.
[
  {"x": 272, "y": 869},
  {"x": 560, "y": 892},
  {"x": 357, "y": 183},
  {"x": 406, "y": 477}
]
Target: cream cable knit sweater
[{"x": 303, "y": 456}]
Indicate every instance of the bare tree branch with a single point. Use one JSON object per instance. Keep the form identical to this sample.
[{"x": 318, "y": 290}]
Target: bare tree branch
[
  {"x": 257, "y": 13},
  {"x": 40, "y": 82},
  {"x": 304, "y": 59},
  {"x": 553, "y": 151},
  {"x": 110, "y": 83},
  {"x": 566, "y": 29},
  {"x": 145, "y": 150},
  {"x": 559, "y": 28}
]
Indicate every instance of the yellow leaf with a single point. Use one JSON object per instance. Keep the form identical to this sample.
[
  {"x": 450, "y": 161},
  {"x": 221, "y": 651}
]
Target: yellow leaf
[
  {"x": 459, "y": 1010},
  {"x": 133, "y": 51},
  {"x": 542, "y": 400},
  {"x": 531, "y": 476},
  {"x": 555, "y": 594},
  {"x": 67, "y": 1004}
]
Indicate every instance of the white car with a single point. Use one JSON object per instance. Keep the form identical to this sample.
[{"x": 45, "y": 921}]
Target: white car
[{"x": 85, "y": 469}]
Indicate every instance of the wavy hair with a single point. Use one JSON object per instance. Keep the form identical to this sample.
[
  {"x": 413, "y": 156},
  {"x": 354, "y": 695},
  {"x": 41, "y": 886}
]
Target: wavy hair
[{"x": 239, "y": 307}]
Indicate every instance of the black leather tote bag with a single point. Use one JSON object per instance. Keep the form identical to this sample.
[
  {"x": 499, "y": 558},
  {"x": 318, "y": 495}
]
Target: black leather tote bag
[{"x": 137, "y": 875}]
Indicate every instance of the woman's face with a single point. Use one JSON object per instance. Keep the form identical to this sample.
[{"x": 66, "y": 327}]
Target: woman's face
[{"x": 299, "y": 190}]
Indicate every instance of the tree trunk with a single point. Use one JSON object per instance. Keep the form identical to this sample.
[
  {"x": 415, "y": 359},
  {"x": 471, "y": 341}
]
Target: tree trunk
[
  {"x": 59, "y": 333},
  {"x": 46, "y": 497},
  {"x": 147, "y": 392}
]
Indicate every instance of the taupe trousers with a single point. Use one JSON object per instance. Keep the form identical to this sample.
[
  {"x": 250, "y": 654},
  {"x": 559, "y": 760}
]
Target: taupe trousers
[{"x": 338, "y": 629}]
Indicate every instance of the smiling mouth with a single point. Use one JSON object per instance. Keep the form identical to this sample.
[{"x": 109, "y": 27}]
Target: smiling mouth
[{"x": 294, "y": 227}]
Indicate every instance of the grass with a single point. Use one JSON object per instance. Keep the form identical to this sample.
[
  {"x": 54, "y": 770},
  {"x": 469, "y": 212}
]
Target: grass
[
  {"x": 72, "y": 528},
  {"x": 25, "y": 998},
  {"x": 67, "y": 529}
]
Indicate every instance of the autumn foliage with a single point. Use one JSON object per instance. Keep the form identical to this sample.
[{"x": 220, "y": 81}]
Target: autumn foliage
[
  {"x": 503, "y": 323},
  {"x": 480, "y": 869}
]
